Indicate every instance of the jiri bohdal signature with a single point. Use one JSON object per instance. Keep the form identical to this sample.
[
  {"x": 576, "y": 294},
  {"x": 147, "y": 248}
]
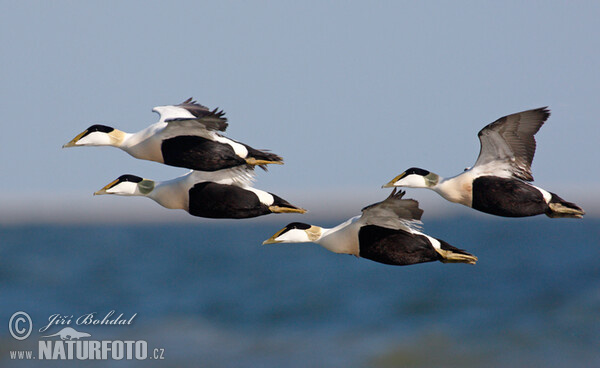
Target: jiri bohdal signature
[{"x": 88, "y": 319}]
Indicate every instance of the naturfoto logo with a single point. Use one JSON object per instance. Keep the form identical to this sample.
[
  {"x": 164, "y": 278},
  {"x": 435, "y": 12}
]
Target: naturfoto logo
[
  {"x": 69, "y": 333},
  {"x": 70, "y": 343}
]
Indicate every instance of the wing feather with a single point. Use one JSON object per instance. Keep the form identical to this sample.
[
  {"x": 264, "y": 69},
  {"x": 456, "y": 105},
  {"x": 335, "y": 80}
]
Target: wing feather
[
  {"x": 212, "y": 119},
  {"x": 394, "y": 213},
  {"x": 242, "y": 176},
  {"x": 509, "y": 142},
  {"x": 191, "y": 115}
]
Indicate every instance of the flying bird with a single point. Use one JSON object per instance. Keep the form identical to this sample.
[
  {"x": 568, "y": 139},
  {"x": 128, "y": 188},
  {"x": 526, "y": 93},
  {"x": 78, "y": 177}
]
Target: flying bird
[
  {"x": 386, "y": 232},
  {"x": 186, "y": 135},
  {"x": 498, "y": 182},
  {"x": 220, "y": 194}
]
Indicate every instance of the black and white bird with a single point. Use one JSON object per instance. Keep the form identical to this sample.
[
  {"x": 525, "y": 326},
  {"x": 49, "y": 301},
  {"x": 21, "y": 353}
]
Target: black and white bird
[
  {"x": 221, "y": 194},
  {"x": 498, "y": 182},
  {"x": 386, "y": 232},
  {"x": 186, "y": 135}
]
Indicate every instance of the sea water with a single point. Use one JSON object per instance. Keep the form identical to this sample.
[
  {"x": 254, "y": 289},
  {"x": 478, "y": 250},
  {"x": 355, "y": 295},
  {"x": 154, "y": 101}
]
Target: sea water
[{"x": 210, "y": 295}]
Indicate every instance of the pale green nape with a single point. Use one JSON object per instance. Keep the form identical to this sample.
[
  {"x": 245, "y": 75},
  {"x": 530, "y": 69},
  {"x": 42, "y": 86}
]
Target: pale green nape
[
  {"x": 431, "y": 179},
  {"x": 146, "y": 186}
]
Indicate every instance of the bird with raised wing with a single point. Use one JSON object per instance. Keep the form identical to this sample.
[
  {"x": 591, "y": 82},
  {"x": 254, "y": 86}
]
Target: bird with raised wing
[
  {"x": 186, "y": 135},
  {"x": 386, "y": 232},
  {"x": 499, "y": 181}
]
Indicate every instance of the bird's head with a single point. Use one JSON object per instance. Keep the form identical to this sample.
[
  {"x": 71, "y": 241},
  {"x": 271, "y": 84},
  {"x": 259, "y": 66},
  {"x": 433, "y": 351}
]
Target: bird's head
[
  {"x": 414, "y": 178},
  {"x": 128, "y": 185},
  {"x": 296, "y": 232},
  {"x": 97, "y": 135}
]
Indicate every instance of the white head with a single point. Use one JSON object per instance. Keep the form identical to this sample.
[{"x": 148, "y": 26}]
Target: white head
[
  {"x": 128, "y": 185},
  {"x": 98, "y": 135},
  {"x": 296, "y": 232},
  {"x": 414, "y": 178}
]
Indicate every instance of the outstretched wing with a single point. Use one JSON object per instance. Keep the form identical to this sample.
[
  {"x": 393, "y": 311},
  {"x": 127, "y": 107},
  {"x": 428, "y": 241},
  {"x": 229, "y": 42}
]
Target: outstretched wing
[
  {"x": 242, "y": 176},
  {"x": 191, "y": 115},
  {"x": 509, "y": 144},
  {"x": 394, "y": 213}
]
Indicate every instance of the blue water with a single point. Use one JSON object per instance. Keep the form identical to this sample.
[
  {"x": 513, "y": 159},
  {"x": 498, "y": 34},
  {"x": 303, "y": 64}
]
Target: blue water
[{"x": 212, "y": 296}]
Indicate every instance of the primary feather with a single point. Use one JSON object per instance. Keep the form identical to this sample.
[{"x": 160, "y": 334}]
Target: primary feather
[
  {"x": 508, "y": 143},
  {"x": 393, "y": 213}
]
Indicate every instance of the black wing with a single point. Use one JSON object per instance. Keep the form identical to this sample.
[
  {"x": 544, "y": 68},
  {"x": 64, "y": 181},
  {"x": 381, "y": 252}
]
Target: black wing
[{"x": 212, "y": 119}]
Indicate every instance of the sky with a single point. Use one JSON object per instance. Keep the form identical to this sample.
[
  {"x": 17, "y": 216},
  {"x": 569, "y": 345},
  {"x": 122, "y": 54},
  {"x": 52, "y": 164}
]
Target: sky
[{"x": 349, "y": 93}]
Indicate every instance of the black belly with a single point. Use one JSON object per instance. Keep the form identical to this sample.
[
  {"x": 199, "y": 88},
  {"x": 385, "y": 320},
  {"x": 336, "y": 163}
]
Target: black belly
[
  {"x": 199, "y": 153},
  {"x": 395, "y": 247},
  {"x": 214, "y": 200},
  {"x": 507, "y": 197}
]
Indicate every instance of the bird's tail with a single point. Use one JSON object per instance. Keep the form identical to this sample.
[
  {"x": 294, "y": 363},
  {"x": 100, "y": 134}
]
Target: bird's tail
[
  {"x": 452, "y": 254},
  {"x": 262, "y": 158},
  {"x": 280, "y": 205},
  {"x": 558, "y": 207}
]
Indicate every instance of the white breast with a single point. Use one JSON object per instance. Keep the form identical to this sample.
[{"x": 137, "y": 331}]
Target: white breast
[
  {"x": 342, "y": 238},
  {"x": 145, "y": 144},
  {"x": 458, "y": 189},
  {"x": 172, "y": 194}
]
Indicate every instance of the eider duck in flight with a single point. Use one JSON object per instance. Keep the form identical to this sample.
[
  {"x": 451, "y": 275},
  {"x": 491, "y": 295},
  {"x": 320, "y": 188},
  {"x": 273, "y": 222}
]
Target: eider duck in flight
[
  {"x": 186, "y": 135},
  {"x": 221, "y": 194},
  {"x": 386, "y": 232},
  {"x": 498, "y": 181}
]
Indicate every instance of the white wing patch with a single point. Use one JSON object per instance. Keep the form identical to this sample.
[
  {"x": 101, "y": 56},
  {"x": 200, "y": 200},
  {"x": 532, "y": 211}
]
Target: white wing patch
[
  {"x": 545, "y": 193},
  {"x": 263, "y": 196},
  {"x": 434, "y": 242},
  {"x": 239, "y": 149},
  {"x": 240, "y": 176},
  {"x": 172, "y": 112},
  {"x": 501, "y": 169}
]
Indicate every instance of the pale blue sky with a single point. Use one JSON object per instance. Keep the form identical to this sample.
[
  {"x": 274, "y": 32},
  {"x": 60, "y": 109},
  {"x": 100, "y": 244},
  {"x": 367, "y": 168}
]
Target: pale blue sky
[{"x": 349, "y": 93}]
